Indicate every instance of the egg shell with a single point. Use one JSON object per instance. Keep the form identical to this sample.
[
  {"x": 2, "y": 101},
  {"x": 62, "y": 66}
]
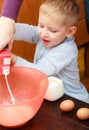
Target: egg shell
[
  {"x": 83, "y": 113},
  {"x": 67, "y": 105}
]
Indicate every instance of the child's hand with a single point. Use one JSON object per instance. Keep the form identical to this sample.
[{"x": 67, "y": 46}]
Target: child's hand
[{"x": 13, "y": 59}]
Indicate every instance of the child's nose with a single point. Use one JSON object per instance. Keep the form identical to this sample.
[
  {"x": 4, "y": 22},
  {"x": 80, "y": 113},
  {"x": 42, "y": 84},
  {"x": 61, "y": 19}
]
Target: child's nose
[{"x": 45, "y": 32}]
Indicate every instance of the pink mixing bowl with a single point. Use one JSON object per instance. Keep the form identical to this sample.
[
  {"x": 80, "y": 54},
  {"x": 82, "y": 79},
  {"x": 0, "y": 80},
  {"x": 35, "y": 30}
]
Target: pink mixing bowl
[{"x": 27, "y": 87}]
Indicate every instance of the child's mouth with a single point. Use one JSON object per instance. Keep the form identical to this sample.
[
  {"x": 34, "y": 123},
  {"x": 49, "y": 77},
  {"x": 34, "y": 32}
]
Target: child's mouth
[{"x": 45, "y": 42}]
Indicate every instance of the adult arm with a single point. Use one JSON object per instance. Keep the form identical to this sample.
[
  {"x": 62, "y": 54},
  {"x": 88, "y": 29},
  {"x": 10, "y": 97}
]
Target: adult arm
[
  {"x": 11, "y": 8},
  {"x": 9, "y": 14}
]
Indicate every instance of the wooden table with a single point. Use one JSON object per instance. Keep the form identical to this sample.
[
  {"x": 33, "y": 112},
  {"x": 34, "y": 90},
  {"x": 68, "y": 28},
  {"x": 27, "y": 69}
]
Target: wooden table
[{"x": 50, "y": 117}]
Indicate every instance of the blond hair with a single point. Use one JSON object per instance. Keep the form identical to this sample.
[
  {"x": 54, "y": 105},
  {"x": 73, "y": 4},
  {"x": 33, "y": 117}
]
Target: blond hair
[{"x": 68, "y": 8}]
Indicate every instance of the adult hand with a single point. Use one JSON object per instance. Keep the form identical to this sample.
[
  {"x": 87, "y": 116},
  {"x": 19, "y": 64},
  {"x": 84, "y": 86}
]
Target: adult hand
[{"x": 6, "y": 32}]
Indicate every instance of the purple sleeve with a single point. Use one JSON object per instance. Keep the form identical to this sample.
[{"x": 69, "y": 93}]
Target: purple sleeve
[{"x": 11, "y": 8}]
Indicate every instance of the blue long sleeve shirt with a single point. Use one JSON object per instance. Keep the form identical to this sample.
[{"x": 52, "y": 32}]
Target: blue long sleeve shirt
[{"x": 59, "y": 61}]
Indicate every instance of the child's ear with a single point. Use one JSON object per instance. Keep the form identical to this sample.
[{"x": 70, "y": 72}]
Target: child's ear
[{"x": 71, "y": 31}]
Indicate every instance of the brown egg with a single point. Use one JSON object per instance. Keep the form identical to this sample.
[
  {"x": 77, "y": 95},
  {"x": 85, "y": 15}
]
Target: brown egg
[
  {"x": 83, "y": 113},
  {"x": 67, "y": 105}
]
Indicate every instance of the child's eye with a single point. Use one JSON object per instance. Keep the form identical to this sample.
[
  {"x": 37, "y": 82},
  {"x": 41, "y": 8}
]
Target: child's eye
[
  {"x": 54, "y": 31},
  {"x": 41, "y": 26}
]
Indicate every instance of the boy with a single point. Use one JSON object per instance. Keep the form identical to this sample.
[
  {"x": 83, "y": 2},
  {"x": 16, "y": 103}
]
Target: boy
[{"x": 56, "y": 52}]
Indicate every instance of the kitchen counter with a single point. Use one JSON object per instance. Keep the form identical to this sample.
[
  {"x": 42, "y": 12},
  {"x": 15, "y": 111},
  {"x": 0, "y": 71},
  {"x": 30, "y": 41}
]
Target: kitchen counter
[{"x": 50, "y": 117}]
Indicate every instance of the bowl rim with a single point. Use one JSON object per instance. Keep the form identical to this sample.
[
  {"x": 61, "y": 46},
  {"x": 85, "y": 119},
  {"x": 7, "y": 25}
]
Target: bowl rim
[{"x": 24, "y": 102}]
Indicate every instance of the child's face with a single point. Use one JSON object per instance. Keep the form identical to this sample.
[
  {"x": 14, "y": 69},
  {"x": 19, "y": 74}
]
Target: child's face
[{"x": 51, "y": 31}]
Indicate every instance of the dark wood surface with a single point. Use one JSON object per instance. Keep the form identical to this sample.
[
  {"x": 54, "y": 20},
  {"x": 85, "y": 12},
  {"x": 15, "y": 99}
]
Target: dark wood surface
[{"x": 50, "y": 117}]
